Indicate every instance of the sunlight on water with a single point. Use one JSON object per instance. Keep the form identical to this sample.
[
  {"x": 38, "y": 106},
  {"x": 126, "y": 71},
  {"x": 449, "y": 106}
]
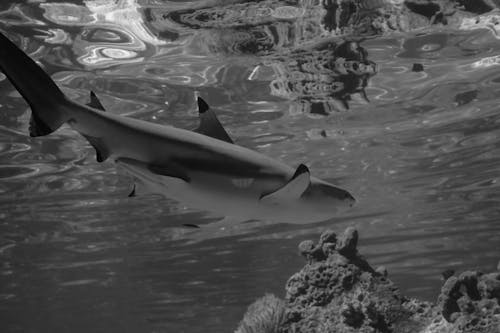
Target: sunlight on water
[{"x": 420, "y": 151}]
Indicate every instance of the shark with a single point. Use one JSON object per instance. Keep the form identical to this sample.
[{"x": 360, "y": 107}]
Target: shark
[{"x": 203, "y": 168}]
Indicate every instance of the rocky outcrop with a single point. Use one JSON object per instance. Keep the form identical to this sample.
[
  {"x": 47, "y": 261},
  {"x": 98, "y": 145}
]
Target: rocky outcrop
[
  {"x": 266, "y": 315},
  {"x": 338, "y": 291}
]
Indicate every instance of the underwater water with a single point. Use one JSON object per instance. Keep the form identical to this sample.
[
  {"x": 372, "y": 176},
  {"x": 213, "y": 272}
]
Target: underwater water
[{"x": 421, "y": 156}]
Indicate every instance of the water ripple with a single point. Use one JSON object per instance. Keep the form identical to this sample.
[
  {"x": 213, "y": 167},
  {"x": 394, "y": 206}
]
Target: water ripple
[{"x": 421, "y": 157}]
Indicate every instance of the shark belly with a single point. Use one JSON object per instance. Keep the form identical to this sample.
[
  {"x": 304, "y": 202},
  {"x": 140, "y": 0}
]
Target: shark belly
[{"x": 228, "y": 196}]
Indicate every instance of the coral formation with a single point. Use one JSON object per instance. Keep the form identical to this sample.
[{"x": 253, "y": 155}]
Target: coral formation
[
  {"x": 338, "y": 291},
  {"x": 265, "y": 315}
]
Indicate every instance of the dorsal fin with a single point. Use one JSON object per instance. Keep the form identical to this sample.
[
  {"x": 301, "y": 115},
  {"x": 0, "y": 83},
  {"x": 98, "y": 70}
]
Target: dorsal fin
[
  {"x": 95, "y": 102},
  {"x": 209, "y": 124},
  {"x": 293, "y": 189}
]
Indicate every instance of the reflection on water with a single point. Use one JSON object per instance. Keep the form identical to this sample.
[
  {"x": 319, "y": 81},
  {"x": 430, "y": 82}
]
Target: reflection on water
[
  {"x": 420, "y": 152},
  {"x": 324, "y": 78},
  {"x": 112, "y": 32}
]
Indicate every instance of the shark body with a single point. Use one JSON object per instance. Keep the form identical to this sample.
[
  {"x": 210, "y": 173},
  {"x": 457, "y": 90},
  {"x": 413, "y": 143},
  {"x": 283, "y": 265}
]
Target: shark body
[{"x": 203, "y": 169}]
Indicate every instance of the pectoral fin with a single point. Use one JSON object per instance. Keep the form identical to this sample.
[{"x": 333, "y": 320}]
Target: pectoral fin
[
  {"x": 141, "y": 188},
  {"x": 133, "y": 192},
  {"x": 191, "y": 225},
  {"x": 170, "y": 170},
  {"x": 209, "y": 124},
  {"x": 101, "y": 151},
  {"x": 293, "y": 189}
]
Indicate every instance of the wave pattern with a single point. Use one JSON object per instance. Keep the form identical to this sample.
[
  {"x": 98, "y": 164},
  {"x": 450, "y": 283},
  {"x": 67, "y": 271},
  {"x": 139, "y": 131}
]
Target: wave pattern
[{"x": 418, "y": 149}]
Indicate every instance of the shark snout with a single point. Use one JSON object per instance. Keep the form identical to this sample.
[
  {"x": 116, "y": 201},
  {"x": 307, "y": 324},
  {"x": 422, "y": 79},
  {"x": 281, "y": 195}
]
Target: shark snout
[{"x": 347, "y": 198}]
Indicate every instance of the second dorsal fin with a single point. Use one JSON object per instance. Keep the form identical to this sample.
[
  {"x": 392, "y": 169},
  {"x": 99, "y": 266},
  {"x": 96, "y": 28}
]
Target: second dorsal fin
[
  {"x": 95, "y": 102},
  {"x": 209, "y": 124}
]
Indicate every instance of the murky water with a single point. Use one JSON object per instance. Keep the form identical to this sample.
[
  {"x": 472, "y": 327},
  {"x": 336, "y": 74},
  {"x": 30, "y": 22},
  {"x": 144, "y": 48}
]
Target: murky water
[{"x": 422, "y": 158}]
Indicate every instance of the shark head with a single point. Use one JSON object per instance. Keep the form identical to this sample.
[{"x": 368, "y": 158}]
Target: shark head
[
  {"x": 308, "y": 199},
  {"x": 319, "y": 202},
  {"x": 327, "y": 198}
]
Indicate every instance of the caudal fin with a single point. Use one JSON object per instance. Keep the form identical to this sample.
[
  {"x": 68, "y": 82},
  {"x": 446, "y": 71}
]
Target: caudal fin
[{"x": 38, "y": 89}]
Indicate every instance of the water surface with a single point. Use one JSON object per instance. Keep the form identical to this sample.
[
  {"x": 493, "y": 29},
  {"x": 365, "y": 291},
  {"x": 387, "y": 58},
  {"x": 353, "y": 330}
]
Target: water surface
[{"x": 421, "y": 157}]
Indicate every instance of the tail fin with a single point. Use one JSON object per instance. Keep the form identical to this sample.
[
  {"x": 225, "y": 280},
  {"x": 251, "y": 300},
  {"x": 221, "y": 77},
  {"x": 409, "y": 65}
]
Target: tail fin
[{"x": 38, "y": 89}]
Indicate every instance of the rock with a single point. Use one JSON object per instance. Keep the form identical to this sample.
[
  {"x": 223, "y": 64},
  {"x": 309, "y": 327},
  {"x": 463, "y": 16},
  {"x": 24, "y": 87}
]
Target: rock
[
  {"x": 489, "y": 286},
  {"x": 353, "y": 314},
  {"x": 327, "y": 241},
  {"x": 306, "y": 248},
  {"x": 328, "y": 248},
  {"x": 447, "y": 300},
  {"x": 466, "y": 302},
  {"x": 478, "y": 6},
  {"x": 338, "y": 291},
  {"x": 328, "y": 236},
  {"x": 265, "y": 315},
  {"x": 469, "y": 282},
  {"x": 342, "y": 283},
  {"x": 346, "y": 245},
  {"x": 311, "y": 251},
  {"x": 382, "y": 271},
  {"x": 445, "y": 275}
]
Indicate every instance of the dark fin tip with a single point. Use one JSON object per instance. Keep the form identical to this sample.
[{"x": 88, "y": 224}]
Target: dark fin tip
[
  {"x": 189, "y": 225},
  {"x": 99, "y": 157},
  {"x": 202, "y": 105},
  {"x": 132, "y": 193},
  {"x": 37, "y": 127},
  {"x": 302, "y": 168},
  {"x": 95, "y": 102},
  {"x": 100, "y": 150}
]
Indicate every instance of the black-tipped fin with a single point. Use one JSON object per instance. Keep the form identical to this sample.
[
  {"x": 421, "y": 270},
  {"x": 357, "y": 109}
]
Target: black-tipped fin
[
  {"x": 293, "y": 189},
  {"x": 101, "y": 151},
  {"x": 190, "y": 225},
  {"x": 209, "y": 124},
  {"x": 38, "y": 127},
  {"x": 95, "y": 102},
  {"x": 36, "y": 87},
  {"x": 132, "y": 193},
  {"x": 139, "y": 188}
]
